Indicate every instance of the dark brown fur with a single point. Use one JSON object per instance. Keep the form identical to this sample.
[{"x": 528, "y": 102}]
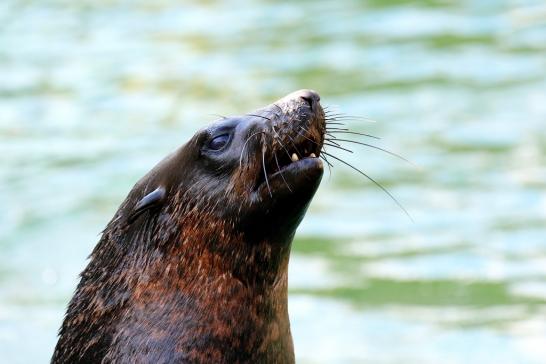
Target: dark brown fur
[{"x": 200, "y": 278}]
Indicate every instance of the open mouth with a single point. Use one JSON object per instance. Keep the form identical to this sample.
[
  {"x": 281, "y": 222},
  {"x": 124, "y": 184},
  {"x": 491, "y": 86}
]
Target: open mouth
[
  {"x": 291, "y": 157},
  {"x": 296, "y": 137}
]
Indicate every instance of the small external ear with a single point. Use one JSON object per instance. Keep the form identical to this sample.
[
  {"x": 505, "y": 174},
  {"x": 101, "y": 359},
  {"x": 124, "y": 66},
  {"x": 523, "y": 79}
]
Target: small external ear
[{"x": 151, "y": 200}]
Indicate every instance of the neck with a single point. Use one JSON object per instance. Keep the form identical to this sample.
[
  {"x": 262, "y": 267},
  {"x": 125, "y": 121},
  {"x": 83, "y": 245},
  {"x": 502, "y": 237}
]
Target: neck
[
  {"x": 219, "y": 298},
  {"x": 201, "y": 294}
]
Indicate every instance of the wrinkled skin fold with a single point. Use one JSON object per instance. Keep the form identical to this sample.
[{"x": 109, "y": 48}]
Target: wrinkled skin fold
[{"x": 193, "y": 266}]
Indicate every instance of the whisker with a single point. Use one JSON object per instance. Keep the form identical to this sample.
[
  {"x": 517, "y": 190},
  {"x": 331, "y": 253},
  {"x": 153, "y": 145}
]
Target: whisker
[
  {"x": 374, "y": 181},
  {"x": 341, "y": 116},
  {"x": 330, "y": 166},
  {"x": 218, "y": 115},
  {"x": 281, "y": 143},
  {"x": 378, "y": 148},
  {"x": 326, "y": 160},
  {"x": 294, "y": 145},
  {"x": 282, "y": 175},
  {"x": 336, "y": 128},
  {"x": 323, "y": 157},
  {"x": 244, "y": 145},
  {"x": 349, "y": 118},
  {"x": 265, "y": 173},
  {"x": 332, "y": 141},
  {"x": 338, "y": 147},
  {"x": 305, "y": 130},
  {"x": 278, "y": 107},
  {"x": 347, "y": 131},
  {"x": 260, "y": 116}
]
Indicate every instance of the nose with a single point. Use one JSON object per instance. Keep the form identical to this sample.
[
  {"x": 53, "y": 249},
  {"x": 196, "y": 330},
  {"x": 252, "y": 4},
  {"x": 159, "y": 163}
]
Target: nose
[{"x": 311, "y": 97}]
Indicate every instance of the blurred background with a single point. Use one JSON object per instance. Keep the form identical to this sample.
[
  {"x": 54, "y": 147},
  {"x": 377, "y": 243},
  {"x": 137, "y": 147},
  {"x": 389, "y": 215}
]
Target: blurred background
[{"x": 94, "y": 93}]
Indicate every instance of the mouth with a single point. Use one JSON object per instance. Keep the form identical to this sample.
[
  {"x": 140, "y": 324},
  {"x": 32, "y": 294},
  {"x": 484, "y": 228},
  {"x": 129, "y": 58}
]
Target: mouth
[
  {"x": 294, "y": 156},
  {"x": 291, "y": 161},
  {"x": 291, "y": 153}
]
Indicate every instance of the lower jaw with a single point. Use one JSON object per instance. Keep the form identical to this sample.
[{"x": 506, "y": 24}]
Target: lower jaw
[{"x": 298, "y": 164}]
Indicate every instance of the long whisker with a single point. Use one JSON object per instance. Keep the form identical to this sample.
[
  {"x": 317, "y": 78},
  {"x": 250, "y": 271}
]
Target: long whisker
[
  {"x": 305, "y": 131},
  {"x": 244, "y": 145},
  {"x": 278, "y": 139},
  {"x": 294, "y": 145},
  {"x": 343, "y": 115},
  {"x": 340, "y": 117},
  {"x": 333, "y": 109},
  {"x": 332, "y": 141},
  {"x": 282, "y": 175},
  {"x": 330, "y": 166},
  {"x": 336, "y": 128},
  {"x": 374, "y": 181},
  {"x": 347, "y": 131},
  {"x": 281, "y": 143},
  {"x": 346, "y": 120},
  {"x": 265, "y": 173},
  {"x": 321, "y": 156},
  {"x": 376, "y": 147},
  {"x": 278, "y": 107},
  {"x": 338, "y": 147},
  {"x": 218, "y": 115},
  {"x": 260, "y": 116}
]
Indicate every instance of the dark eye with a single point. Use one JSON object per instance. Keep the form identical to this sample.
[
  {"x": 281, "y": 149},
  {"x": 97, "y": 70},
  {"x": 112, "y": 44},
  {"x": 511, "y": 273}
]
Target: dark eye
[{"x": 218, "y": 142}]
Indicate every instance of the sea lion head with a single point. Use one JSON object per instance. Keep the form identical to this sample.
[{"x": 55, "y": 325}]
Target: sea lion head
[
  {"x": 194, "y": 263},
  {"x": 257, "y": 171}
]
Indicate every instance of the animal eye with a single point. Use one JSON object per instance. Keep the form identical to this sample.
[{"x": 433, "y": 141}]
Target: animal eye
[{"x": 218, "y": 142}]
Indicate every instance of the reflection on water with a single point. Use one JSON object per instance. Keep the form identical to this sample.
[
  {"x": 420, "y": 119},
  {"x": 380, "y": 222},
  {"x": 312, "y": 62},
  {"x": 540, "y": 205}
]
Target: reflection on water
[{"x": 94, "y": 93}]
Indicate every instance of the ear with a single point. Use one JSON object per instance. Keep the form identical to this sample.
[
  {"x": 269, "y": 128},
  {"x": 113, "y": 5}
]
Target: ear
[{"x": 151, "y": 200}]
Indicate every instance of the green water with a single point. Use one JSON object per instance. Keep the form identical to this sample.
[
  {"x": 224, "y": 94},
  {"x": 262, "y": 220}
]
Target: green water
[{"x": 94, "y": 93}]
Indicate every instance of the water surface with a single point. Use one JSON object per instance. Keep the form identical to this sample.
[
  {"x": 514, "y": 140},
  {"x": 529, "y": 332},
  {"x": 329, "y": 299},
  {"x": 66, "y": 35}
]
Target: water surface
[{"x": 94, "y": 93}]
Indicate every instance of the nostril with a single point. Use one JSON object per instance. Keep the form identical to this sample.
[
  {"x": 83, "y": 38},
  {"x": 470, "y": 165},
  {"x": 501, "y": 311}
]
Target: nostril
[
  {"x": 309, "y": 100},
  {"x": 309, "y": 96}
]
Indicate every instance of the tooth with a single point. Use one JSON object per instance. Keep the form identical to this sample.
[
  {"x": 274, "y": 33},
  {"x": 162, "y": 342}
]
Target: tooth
[
  {"x": 312, "y": 155},
  {"x": 295, "y": 157}
]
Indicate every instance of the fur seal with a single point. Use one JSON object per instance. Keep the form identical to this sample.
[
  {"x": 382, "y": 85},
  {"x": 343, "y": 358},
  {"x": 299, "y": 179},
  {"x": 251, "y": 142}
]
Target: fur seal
[{"x": 193, "y": 266}]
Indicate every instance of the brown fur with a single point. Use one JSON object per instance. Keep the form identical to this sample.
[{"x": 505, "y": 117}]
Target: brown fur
[{"x": 201, "y": 277}]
